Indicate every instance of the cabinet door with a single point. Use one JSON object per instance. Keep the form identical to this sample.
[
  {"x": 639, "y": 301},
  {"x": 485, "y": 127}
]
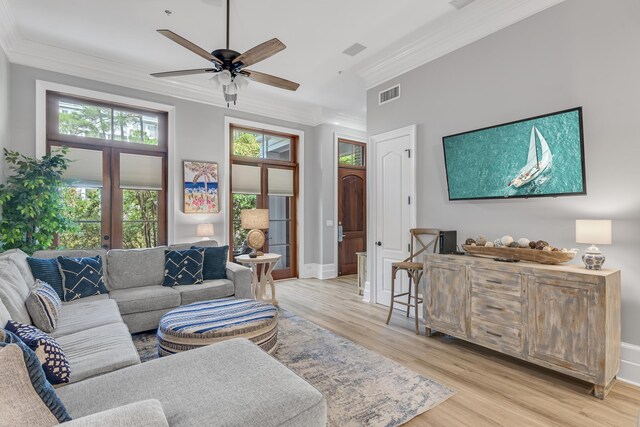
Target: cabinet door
[
  {"x": 446, "y": 296},
  {"x": 562, "y": 321}
]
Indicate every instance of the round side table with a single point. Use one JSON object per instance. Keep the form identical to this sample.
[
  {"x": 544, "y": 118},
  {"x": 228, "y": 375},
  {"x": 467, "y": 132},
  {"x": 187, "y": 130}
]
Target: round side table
[{"x": 259, "y": 286}]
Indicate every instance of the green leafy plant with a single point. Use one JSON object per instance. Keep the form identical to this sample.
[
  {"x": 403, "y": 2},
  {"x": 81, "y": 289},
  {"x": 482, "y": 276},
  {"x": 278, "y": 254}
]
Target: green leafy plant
[{"x": 32, "y": 207}]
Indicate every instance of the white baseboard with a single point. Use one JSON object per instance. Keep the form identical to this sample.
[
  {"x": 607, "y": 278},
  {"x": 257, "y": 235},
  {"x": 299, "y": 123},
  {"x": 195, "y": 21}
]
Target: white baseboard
[
  {"x": 366, "y": 297},
  {"x": 629, "y": 364},
  {"x": 318, "y": 271}
]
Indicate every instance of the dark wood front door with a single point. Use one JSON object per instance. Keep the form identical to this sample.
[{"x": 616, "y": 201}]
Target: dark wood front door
[{"x": 351, "y": 218}]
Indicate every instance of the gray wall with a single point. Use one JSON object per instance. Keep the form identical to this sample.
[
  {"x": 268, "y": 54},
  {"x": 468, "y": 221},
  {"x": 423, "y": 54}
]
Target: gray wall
[
  {"x": 325, "y": 141},
  {"x": 199, "y": 136},
  {"x": 4, "y": 110},
  {"x": 578, "y": 53}
]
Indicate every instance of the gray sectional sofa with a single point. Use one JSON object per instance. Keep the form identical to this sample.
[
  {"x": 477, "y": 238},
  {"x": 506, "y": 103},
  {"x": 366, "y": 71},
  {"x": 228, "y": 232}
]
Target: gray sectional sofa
[{"x": 231, "y": 383}]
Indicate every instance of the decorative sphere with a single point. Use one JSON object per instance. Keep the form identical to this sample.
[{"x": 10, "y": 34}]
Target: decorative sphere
[
  {"x": 473, "y": 244},
  {"x": 489, "y": 245},
  {"x": 547, "y": 249},
  {"x": 481, "y": 240},
  {"x": 523, "y": 242},
  {"x": 564, "y": 250},
  {"x": 532, "y": 245},
  {"x": 555, "y": 250},
  {"x": 469, "y": 241},
  {"x": 507, "y": 240},
  {"x": 514, "y": 245},
  {"x": 498, "y": 243}
]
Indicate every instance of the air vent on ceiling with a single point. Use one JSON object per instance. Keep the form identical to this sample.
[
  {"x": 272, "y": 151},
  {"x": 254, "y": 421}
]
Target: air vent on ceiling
[
  {"x": 389, "y": 95},
  {"x": 354, "y": 49},
  {"x": 459, "y": 4}
]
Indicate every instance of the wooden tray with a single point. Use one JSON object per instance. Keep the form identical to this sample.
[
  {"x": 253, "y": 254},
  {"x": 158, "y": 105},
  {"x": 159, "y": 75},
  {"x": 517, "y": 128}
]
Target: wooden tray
[{"x": 531, "y": 255}]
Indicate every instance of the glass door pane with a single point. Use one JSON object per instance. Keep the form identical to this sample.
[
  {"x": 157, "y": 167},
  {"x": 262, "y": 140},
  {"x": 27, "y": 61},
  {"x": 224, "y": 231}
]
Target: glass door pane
[
  {"x": 139, "y": 219},
  {"x": 84, "y": 208},
  {"x": 239, "y": 234},
  {"x": 279, "y": 237}
]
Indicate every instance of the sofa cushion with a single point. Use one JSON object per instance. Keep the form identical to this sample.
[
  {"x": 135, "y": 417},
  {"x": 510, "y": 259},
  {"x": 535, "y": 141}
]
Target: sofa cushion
[
  {"x": 99, "y": 350},
  {"x": 25, "y": 393},
  {"x": 87, "y": 299},
  {"x": 147, "y": 413},
  {"x": 19, "y": 258},
  {"x": 148, "y": 298},
  {"x": 54, "y": 362},
  {"x": 212, "y": 289},
  {"x": 14, "y": 291},
  {"x": 46, "y": 270},
  {"x": 81, "y": 277},
  {"x": 243, "y": 386},
  {"x": 183, "y": 267},
  {"x": 44, "y": 306},
  {"x": 215, "y": 262},
  {"x": 129, "y": 268},
  {"x": 200, "y": 244},
  {"x": 4, "y": 314},
  {"x": 80, "y": 317}
]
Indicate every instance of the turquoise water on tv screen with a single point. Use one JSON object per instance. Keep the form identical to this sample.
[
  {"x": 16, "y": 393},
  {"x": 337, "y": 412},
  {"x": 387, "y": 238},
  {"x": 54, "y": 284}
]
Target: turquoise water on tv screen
[{"x": 483, "y": 163}]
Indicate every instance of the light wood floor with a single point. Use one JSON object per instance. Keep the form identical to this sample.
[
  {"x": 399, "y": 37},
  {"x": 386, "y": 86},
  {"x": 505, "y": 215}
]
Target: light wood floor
[{"x": 491, "y": 389}]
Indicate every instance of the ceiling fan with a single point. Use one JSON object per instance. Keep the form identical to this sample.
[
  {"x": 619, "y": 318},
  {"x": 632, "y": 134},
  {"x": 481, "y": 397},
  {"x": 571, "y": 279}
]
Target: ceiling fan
[{"x": 228, "y": 66}]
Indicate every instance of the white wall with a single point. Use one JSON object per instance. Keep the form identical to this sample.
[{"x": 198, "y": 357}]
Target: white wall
[
  {"x": 578, "y": 53},
  {"x": 325, "y": 135},
  {"x": 4, "y": 110},
  {"x": 199, "y": 130}
]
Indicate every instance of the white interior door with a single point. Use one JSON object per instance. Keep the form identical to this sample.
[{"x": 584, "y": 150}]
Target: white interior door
[{"x": 395, "y": 213}]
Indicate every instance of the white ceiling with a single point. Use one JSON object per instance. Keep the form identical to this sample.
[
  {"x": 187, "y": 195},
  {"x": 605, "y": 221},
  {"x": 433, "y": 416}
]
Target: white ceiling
[{"x": 120, "y": 35}]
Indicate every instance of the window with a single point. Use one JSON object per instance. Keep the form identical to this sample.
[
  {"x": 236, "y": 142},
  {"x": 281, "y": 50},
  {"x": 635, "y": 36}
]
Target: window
[
  {"x": 117, "y": 179},
  {"x": 351, "y": 153},
  {"x": 264, "y": 175}
]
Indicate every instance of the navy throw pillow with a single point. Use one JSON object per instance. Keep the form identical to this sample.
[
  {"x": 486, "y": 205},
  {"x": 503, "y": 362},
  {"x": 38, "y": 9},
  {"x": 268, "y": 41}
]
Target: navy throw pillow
[
  {"x": 47, "y": 271},
  {"x": 54, "y": 362},
  {"x": 81, "y": 277},
  {"x": 43, "y": 388},
  {"x": 183, "y": 267},
  {"x": 215, "y": 262}
]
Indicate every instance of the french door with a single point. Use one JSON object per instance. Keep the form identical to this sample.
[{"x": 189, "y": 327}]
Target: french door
[
  {"x": 116, "y": 182},
  {"x": 264, "y": 175}
]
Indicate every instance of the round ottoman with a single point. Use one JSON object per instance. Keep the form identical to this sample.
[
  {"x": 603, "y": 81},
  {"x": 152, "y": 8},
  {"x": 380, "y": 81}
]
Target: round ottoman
[{"x": 204, "y": 323}]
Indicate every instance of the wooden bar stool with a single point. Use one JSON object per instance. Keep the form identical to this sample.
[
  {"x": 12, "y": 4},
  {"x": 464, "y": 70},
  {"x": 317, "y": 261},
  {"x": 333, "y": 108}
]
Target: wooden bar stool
[{"x": 414, "y": 269}]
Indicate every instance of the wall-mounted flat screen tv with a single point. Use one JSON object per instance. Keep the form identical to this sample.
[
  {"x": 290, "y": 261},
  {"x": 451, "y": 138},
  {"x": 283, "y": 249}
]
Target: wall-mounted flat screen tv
[{"x": 536, "y": 157}]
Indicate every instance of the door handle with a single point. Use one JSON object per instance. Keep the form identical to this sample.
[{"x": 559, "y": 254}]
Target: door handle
[{"x": 379, "y": 243}]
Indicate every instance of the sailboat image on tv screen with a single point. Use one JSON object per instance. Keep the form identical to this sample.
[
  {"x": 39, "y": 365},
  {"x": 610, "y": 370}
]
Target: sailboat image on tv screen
[{"x": 536, "y": 163}]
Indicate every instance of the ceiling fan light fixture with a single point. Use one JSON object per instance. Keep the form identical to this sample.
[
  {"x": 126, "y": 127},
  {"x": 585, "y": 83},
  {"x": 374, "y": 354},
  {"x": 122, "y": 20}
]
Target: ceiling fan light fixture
[
  {"x": 225, "y": 78},
  {"x": 215, "y": 81},
  {"x": 241, "y": 81},
  {"x": 230, "y": 92}
]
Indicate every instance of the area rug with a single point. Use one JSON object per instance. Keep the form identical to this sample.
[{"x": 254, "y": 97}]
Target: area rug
[{"x": 362, "y": 388}]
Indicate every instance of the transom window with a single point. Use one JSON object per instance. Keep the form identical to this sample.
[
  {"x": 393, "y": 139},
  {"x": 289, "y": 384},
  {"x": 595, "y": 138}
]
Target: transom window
[
  {"x": 351, "y": 153},
  {"x": 258, "y": 144}
]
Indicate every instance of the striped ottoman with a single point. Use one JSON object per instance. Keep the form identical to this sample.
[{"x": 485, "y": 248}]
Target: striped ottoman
[{"x": 204, "y": 323}]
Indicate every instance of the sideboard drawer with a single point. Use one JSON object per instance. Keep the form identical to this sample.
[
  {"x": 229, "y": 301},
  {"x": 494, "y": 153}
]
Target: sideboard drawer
[
  {"x": 498, "y": 310},
  {"x": 495, "y": 336},
  {"x": 496, "y": 281}
]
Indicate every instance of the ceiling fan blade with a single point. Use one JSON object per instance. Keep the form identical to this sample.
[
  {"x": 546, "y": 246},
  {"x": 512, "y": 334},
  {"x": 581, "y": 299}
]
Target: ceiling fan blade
[
  {"x": 260, "y": 52},
  {"x": 268, "y": 79},
  {"x": 184, "y": 72},
  {"x": 191, "y": 46}
]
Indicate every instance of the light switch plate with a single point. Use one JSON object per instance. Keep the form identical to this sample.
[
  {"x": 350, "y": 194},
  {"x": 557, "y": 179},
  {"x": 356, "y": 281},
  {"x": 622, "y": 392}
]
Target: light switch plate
[{"x": 329, "y": 223}]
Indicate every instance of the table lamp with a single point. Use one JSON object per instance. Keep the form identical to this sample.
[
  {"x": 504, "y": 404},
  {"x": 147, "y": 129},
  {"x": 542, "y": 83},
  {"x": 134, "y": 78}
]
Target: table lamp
[
  {"x": 205, "y": 231},
  {"x": 593, "y": 232},
  {"x": 255, "y": 220}
]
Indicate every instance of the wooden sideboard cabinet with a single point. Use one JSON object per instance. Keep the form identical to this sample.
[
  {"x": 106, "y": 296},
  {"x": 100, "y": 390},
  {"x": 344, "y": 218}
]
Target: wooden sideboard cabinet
[{"x": 564, "y": 318}]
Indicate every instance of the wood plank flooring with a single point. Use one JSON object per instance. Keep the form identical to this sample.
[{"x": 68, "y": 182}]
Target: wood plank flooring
[{"x": 492, "y": 389}]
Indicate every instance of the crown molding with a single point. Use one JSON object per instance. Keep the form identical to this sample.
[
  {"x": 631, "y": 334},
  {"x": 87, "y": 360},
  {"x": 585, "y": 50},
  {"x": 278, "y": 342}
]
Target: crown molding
[
  {"x": 8, "y": 32},
  {"x": 449, "y": 33}
]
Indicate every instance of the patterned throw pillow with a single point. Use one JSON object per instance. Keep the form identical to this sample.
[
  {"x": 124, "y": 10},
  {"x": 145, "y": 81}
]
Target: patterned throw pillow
[
  {"x": 215, "y": 262},
  {"x": 44, "y": 305},
  {"x": 47, "y": 270},
  {"x": 37, "y": 379},
  {"x": 183, "y": 267},
  {"x": 54, "y": 362},
  {"x": 81, "y": 277}
]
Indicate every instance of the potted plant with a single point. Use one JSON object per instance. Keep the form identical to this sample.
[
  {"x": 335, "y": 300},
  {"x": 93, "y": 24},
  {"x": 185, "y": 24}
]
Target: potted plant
[{"x": 32, "y": 208}]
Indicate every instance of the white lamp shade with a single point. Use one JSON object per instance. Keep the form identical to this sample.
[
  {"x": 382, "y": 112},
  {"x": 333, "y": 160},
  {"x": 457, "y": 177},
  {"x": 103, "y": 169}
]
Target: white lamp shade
[
  {"x": 597, "y": 232},
  {"x": 85, "y": 169},
  {"x": 140, "y": 172},
  {"x": 255, "y": 218},
  {"x": 245, "y": 179},
  {"x": 204, "y": 230}
]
